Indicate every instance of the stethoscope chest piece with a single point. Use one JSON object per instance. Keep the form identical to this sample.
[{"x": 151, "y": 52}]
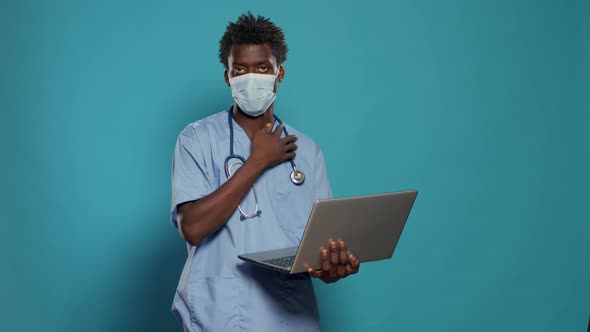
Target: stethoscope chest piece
[{"x": 297, "y": 177}]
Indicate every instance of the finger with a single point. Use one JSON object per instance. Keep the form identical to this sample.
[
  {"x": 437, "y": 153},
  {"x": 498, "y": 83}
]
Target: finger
[
  {"x": 290, "y": 147},
  {"x": 314, "y": 273},
  {"x": 289, "y": 139},
  {"x": 289, "y": 155},
  {"x": 267, "y": 128},
  {"x": 342, "y": 271},
  {"x": 334, "y": 260},
  {"x": 325, "y": 261},
  {"x": 350, "y": 270},
  {"x": 354, "y": 263},
  {"x": 278, "y": 130},
  {"x": 343, "y": 253}
]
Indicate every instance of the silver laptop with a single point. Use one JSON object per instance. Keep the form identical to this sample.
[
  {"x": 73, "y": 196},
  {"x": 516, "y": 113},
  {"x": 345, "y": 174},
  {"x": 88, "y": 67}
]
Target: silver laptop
[{"x": 370, "y": 225}]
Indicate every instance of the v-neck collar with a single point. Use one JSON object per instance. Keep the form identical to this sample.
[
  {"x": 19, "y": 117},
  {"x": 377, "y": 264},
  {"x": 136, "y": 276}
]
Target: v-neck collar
[{"x": 241, "y": 139}]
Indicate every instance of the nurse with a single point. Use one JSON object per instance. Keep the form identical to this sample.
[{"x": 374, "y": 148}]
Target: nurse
[{"x": 258, "y": 207}]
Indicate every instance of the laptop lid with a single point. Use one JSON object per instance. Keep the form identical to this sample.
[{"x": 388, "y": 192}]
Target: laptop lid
[{"x": 370, "y": 225}]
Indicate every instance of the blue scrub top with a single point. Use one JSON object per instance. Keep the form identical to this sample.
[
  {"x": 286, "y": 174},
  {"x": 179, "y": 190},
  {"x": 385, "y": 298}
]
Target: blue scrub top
[{"x": 217, "y": 291}]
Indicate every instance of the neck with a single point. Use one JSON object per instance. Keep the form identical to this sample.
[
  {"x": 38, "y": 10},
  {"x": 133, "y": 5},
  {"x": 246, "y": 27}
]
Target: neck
[{"x": 251, "y": 125}]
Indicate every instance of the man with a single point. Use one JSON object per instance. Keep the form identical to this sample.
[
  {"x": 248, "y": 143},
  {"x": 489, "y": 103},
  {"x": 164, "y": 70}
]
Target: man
[{"x": 259, "y": 207}]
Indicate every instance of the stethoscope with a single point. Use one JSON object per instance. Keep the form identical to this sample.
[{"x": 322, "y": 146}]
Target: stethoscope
[{"x": 297, "y": 176}]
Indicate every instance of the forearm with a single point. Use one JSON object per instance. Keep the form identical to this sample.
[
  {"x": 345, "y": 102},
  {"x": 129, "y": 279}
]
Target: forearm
[{"x": 198, "y": 219}]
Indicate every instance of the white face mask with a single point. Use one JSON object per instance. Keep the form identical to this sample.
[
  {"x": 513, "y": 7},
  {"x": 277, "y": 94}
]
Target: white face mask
[{"x": 254, "y": 93}]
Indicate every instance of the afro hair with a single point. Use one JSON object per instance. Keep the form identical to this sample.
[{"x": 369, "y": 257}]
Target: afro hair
[{"x": 250, "y": 29}]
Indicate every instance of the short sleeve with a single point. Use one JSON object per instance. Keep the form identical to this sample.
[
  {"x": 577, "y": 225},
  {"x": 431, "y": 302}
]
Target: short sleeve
[
  {"x": 322, "y": 188},
  {"x": 190, "y": 177}
]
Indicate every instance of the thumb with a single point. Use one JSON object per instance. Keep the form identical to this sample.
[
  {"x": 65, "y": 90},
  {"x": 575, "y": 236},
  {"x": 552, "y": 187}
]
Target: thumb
[{"x": 267, "y": 128}]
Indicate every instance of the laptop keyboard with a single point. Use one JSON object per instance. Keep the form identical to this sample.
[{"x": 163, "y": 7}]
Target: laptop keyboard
[{"x": 284, "y": 262}]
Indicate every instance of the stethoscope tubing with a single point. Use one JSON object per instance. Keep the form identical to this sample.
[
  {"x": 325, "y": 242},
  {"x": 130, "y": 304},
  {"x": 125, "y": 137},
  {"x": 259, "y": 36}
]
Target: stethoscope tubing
[{"x": 297, "y": 177}]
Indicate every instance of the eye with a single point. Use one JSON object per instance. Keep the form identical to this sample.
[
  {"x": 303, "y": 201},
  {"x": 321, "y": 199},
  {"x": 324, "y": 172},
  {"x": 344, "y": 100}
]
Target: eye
[
  {"x": 238, "y": 70},
  {"x": 263, "y": 69}
]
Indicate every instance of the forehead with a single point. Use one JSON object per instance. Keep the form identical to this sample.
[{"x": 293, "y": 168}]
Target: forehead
[{"x": 251, "y": 54}]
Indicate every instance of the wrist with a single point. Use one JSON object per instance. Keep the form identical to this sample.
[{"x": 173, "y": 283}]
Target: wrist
[{"x": 255, "y": 164}]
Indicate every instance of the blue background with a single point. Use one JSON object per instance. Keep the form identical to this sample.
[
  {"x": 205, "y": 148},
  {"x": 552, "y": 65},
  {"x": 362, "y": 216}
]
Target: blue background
[{"x": 481, "y": 105}]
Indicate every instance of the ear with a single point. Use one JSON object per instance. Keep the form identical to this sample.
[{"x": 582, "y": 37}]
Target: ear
[
  {"x": 281, "y": 73},
  {"x": 226, "y": 78}
]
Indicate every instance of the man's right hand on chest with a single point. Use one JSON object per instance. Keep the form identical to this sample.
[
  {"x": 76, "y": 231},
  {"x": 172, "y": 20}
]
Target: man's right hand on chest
[{"x": 269, "y": 148}]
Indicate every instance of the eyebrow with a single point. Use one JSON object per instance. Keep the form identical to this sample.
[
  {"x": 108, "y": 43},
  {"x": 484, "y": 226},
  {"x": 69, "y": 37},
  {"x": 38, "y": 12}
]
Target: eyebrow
[{"x": 257, "y": 64}]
